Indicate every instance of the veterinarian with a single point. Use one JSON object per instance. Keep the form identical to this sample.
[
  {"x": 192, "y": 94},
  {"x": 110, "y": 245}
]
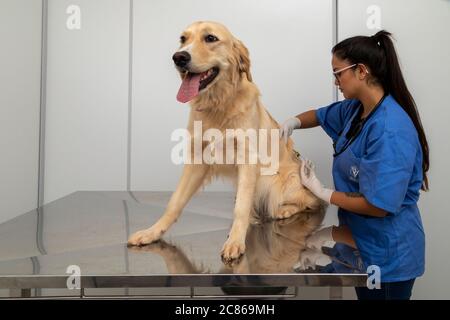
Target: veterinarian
[{"x": 380, "y": 163}]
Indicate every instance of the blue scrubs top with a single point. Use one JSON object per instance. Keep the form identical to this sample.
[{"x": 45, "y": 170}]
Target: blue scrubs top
[{"x": 384, "y": 163}]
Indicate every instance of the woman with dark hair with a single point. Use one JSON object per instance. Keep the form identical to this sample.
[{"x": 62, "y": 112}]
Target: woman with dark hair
[{"x": 381, "y": 159}]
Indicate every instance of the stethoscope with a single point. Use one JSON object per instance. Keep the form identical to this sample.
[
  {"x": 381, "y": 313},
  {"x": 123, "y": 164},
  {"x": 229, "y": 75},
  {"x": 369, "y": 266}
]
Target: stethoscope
[{"x": 355, "y": 128}]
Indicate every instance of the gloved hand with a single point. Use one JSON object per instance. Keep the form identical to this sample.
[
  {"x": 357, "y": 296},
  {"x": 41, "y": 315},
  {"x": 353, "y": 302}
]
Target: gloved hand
[
  {"x": 311, "y": 258},
  {"x": 310, "y": 181},
  {"x": 321, "y": 238},
  {"x": 288, "y": 126}
]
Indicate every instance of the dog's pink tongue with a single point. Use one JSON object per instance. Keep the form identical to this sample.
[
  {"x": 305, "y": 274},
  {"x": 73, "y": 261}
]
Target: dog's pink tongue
[{"x": 189, "y": 88}]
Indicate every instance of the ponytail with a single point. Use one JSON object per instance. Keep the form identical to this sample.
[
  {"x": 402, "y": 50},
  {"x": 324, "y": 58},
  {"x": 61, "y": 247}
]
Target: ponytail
[{"x": 378, "y": 54}]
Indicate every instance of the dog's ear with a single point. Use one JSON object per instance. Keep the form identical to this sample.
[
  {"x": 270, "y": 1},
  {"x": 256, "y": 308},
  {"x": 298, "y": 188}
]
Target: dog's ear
[{"x": 243, "y": 58}]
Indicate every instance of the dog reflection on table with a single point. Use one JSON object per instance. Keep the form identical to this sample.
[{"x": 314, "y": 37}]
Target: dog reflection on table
[{"x": 272, "y": 247}]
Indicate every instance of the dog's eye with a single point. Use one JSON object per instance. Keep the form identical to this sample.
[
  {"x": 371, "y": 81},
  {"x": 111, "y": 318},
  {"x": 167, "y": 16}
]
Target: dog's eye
[
  {"x": 211, "y": 38},
  {"x": 182, "y": 39}
]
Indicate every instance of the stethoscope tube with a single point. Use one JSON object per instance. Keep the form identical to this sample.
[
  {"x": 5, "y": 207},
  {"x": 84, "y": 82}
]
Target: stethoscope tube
[{"x": 355, "y": 132}]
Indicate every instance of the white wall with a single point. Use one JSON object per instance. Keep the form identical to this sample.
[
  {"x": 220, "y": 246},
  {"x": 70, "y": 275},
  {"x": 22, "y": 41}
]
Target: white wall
[
  {"x": 20, "y": 65},
  {"x": 422, "y": 32},
  {"x": 87, "y": 98}
]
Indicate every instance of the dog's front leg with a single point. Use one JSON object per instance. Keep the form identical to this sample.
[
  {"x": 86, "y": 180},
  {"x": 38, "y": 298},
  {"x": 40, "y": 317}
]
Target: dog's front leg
[
  {"x": 191, "y": 179},
  {"x": 234, "y": 247}
]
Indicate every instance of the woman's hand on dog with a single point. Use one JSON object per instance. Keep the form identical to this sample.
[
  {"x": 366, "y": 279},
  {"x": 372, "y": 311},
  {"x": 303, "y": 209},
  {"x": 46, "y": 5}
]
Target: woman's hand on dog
[{"x": 288, "y": 126}]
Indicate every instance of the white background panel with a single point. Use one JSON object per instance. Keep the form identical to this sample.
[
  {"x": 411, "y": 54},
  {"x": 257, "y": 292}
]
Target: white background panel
[
  {"x": 87, "y": 98},
  {"x": 20, "y": 65}
]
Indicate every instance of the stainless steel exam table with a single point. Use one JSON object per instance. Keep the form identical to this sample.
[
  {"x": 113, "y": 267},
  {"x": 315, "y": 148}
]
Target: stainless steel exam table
[{"x": 79, "y": 242}]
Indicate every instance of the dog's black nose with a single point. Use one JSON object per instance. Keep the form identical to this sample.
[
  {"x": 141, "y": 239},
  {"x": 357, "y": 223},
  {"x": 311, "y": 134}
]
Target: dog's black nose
[{"x": 182, "y": 58}]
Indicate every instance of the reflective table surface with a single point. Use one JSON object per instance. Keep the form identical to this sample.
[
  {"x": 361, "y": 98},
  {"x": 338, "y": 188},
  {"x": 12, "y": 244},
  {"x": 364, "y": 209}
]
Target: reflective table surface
[{"x": 86, "y": 232}]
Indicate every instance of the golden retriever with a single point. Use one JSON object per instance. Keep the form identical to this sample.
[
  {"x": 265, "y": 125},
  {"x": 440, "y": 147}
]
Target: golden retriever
[{"x": 215, "y": 70}]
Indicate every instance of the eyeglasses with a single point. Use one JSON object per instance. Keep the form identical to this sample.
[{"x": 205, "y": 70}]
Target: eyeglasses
[{"x": 337, "y": 73}]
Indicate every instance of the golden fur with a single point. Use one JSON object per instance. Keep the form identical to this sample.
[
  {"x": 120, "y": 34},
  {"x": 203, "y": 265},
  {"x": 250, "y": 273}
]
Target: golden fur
[{"x": 231, "y": 101}]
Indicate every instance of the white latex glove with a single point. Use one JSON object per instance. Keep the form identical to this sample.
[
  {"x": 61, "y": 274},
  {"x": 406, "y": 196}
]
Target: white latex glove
[
  {"x": 310, "y": 259},
  {"x": 288, "y": 126},
  {"x": 310, "y": 181},
  {"x": 321, "y": 238}
]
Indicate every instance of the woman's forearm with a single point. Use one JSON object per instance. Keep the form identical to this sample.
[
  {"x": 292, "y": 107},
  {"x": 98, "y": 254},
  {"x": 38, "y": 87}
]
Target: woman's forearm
[
  {"x": 342, "y": 234},
  {"x": 355, "y": 202},
  {"x": 308, "y": 119}
]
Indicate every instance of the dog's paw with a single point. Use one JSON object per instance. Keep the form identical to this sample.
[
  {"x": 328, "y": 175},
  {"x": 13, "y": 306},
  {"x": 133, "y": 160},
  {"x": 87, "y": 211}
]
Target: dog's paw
[
  {"x": 144, "y": 237},
  {"x": 232, "y": 251},
  {"x": 286, "y": 211}
]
